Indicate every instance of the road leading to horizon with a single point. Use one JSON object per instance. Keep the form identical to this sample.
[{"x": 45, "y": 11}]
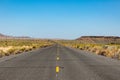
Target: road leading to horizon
[{"x": 74, "y": 64}]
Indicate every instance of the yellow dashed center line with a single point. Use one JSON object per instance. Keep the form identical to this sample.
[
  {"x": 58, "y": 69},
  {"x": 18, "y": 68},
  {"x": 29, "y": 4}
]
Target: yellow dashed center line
[
  {"x": 58, "y": 58},
  {"x": 57, "y": 69}
]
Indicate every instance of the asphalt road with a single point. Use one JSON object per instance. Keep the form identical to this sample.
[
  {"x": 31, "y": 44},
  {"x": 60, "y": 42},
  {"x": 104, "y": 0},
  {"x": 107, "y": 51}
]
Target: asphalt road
[{"x": 74, "y": 65}]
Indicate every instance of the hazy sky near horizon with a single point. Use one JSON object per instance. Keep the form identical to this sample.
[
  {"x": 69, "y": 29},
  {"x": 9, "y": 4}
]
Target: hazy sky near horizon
[{"x": 68, "y": 19}]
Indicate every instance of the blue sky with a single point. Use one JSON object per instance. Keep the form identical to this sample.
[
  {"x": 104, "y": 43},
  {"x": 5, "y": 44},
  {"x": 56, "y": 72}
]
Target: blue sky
[{"x": 66, "y": 19}]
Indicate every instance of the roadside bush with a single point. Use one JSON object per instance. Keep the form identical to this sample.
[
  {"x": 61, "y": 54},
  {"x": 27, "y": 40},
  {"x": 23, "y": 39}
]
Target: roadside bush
[
  {"x": 11, "y": 51},
  {"x": 2, "y": 53}
]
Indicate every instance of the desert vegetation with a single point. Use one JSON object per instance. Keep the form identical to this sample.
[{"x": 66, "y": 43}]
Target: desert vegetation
[
  {"x": 108, "y": 50},
  {"x": 16, "y": 46}
]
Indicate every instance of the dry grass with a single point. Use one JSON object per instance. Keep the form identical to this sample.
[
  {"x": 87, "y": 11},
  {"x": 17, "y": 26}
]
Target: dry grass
[
  {"x": 8, "y": 47},
  {"x": 108, "y": 50}
]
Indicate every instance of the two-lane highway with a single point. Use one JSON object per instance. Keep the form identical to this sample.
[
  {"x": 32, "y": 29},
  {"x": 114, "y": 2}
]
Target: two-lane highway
[{"x": 59, "y": 63}]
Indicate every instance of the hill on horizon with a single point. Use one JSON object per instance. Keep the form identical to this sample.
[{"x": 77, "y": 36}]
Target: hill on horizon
[
  {"x": 2, "y": 36},
  {"x": 100, "y": 39}
]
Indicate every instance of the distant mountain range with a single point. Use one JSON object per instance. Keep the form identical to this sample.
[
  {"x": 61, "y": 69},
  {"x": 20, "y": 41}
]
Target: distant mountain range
[
  {"x": 2, "y": 36},
  {"x": 83, "y": 39},
  {"x": 99, "y": 39}
]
